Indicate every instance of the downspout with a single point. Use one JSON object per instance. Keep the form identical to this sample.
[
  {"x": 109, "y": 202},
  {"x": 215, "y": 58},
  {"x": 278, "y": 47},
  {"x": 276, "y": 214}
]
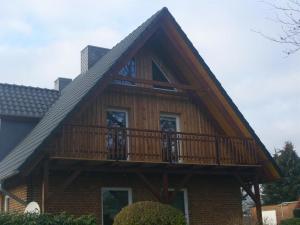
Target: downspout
[{"x": 11, "y": 195}]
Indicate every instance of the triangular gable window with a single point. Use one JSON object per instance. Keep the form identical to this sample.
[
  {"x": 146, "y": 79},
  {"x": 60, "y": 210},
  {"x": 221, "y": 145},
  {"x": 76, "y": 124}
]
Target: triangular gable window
[
  {"x": 129, "y": 70},
  {"x": 158, "y": 75}
]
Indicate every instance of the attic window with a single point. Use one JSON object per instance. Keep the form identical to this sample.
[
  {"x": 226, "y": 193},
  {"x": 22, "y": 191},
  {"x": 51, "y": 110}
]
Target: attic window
[
  {"x": 129, "y": 70},
  {"x": 159, "y": 75}
]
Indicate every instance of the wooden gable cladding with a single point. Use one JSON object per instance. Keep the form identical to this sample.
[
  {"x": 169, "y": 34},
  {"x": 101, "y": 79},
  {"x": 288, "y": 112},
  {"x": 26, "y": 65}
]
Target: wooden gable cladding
[
  {"x": 198, "y": 141},
  {"x": 144, "y": 110}
]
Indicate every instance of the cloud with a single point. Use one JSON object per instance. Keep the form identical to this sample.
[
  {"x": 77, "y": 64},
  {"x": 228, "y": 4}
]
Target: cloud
[{"x": 41, "y": 40}]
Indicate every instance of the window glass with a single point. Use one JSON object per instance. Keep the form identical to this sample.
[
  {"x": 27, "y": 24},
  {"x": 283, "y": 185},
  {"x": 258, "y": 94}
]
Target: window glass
[
  {"x": 116, "y": 119},
  {"x": 112, "y": 203},
  {"x": 129, "y": 70},
  {"x": 168, "y": 123},
  {"x": 180, "y": 202},
  {"x": 170, "y": 140},
  {"x": 116, "y": 141},
  {"x": 158, "y": 75}
]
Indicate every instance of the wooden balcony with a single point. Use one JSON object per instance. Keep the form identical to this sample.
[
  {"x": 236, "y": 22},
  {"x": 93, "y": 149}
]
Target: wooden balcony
[{"x": 152, "y": 146}]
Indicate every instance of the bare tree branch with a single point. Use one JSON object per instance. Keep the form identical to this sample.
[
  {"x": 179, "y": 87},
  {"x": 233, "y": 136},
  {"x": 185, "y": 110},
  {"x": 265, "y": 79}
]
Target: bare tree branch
[{"x": 288, "y": 15}]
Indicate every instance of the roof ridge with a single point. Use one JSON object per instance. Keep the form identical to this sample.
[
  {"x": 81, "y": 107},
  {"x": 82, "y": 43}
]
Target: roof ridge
[{"x": 27, "y": 86}]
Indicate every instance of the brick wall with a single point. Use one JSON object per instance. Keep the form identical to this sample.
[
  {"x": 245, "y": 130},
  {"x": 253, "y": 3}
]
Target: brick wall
[
  {"x": 21, "y": 192},
  {"x": 211, "y": 200}
]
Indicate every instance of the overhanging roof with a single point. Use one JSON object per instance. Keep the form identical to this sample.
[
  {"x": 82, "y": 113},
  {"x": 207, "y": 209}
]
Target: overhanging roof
[{"x": 80, "y": 88}]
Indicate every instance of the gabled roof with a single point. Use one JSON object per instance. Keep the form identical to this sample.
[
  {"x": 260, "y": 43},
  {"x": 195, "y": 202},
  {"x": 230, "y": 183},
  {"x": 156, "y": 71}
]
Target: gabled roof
[
  {"x": 82, "y": 86},
  {"x": 24, "y": 101}
]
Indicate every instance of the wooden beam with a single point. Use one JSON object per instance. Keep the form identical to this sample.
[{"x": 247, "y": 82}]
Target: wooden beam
[
  {"x": 45, "y": 186},
  {"x": 246, "y": 188},
  {"x": 149, "y": 186},
  {"x": 180, "y": 186},
  {"x": 106, "y": 166},
  {"x": 157, "y": 83},
  {"x": 13, "y": 196},
  {"x": 165, "y": 197},
  {"x": 258, "y": 203},
  {"x": 67, "y": 183}
]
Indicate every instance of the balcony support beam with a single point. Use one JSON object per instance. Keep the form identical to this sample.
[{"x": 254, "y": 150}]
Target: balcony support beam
[
  {"x": 165, "y": 193},
  {"x": 254, "y": 196},
  {"x": 148, "y": 185},
  {"x": 66, "y": 184}
]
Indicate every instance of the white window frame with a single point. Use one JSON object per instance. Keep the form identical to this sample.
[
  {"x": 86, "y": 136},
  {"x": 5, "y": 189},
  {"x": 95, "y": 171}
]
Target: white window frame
[
  {"x": 134, "y": 84},
  {"x": 6, "y": 203},
  {"x": 126, "y": 125},
  {"x": 177, "y": 117},
  {"x": 119, "y": 110},
  {"x": 186, "y": 203},
  {"x": 129, "y": 191},
  {"x": 165, "y": 75},
  {"x": 172, "y": 115}
]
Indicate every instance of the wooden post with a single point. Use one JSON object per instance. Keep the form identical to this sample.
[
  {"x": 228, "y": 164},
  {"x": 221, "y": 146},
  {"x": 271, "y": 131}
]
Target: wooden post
[
  {"x": 217, "y": 150},
  {"x": 258, "y": 204},
  {"x": 165, "y": 187},
  {"x": 45, "y": 186}
]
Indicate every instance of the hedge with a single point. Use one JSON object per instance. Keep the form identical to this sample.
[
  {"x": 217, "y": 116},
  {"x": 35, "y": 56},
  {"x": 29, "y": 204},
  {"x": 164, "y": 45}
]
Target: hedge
[
  {"x": 293, "y": 221},
  {"x": 45, "y": 219},
  {"x": 149, "y": 213}
]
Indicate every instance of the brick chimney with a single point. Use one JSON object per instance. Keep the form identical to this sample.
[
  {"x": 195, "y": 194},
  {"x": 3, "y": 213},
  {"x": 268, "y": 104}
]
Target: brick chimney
[
  {"x": 90, "y": 55},
  {"x": 60, "y": 83}
]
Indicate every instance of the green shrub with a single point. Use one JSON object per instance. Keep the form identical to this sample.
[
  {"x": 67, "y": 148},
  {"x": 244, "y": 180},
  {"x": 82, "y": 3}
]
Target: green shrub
[
  {"x": 293, "y": 221},
  {"x": 149, "y": 213},
  {"x": 45, "y": 219},
  {"x": 296, "y": 213}
]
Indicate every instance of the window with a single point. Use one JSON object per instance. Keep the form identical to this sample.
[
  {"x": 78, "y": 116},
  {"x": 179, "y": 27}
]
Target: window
[
  {"x": 117, "y": 138},
  {"x": 113, "y": 200},
  {"x": 181, "y": 202},
  {"x": 158, "y": 75},
  {"x": 169, "y": 124},
  {"x": 6, "y": 203},
  {"x": 129, "y": 70}
]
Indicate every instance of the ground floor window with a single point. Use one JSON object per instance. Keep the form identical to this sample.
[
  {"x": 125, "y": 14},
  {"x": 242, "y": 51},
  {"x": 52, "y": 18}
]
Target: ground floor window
[
  {"x": 113, "y": 200},
  {"x": 181, "y": 202}
]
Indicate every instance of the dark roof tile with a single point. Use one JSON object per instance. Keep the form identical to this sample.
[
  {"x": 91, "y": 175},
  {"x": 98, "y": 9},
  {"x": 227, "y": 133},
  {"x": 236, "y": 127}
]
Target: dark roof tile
[{"x": 25, "y": 101}]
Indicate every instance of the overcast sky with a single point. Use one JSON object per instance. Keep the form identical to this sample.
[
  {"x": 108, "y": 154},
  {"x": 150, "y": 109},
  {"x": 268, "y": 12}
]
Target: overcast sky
[{"x": 41, "y": 40}]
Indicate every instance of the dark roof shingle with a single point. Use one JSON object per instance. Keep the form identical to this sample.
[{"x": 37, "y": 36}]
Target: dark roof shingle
[{"x": 24, "y": 101}]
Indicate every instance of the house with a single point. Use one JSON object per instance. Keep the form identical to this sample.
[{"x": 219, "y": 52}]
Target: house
[
  {"x": 145, "y": 120},
  {"x": 274, "y": 214}
]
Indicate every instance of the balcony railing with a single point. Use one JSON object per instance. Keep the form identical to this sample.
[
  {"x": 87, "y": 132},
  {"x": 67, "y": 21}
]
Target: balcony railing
[{"x": 137, "y": 145}]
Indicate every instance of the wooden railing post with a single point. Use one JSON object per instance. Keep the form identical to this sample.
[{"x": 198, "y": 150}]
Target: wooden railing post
[
  {"x": 217, "y": 150},
  {"x": 173, "y": 147}
]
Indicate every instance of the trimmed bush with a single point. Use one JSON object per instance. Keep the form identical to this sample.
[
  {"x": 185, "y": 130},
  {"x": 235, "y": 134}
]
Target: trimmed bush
[
  {"x": 296, "y": 213},
  {"x": 149, "y": 213},
  {"x": 293, "y": 221},
  {"x": 45, "y": 219}
]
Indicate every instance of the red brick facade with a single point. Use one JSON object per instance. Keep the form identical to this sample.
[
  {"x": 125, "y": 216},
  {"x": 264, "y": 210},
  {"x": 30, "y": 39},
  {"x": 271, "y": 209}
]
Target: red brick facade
[{"x": 212, "y": 200}]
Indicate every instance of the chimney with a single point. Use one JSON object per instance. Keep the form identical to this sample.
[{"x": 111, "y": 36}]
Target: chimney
[
  {"x": 60, "y": 83},
  {"x": 90, "y": 55}
]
